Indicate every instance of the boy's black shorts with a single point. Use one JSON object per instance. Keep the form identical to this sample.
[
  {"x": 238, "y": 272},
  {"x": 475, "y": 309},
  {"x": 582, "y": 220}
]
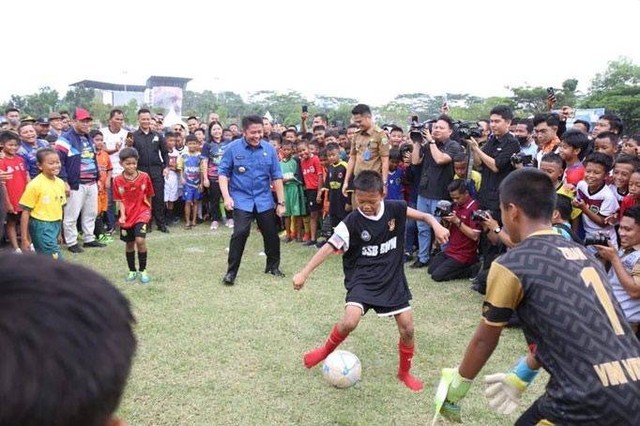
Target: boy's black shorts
[
  {"x": 311, "y": 195},
  {"x": 382, "y": 311},
  {"x": 139, "y": 230}
]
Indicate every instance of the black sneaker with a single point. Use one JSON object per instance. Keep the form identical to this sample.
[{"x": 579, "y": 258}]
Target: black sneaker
[
  {"x": 94, "y": 243},
  {"x": 419, "y": 264},
  {"x": 75, "y": 248},
  {"x": 163, "y": 228},
  {"x": 309, "y": 243}
]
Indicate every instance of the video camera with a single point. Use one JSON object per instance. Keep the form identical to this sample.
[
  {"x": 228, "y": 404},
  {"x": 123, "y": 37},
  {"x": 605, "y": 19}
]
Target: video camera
[
  {"x": 465, "y": 130},
  {"x": 415, "y": 131},
  {"x": 443, "y": 208},
  {"x": 520, "y": 158},
  {"x": 480, "y": 215},
  {"x": 597, "y": 239}
]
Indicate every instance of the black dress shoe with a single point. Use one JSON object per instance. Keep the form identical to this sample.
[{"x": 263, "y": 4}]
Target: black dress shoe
[
  {"x": 229, "y": 278},
  {"x": 419, "y": 264},
  {"x": 275, "y": 272},
  {"x": 163, "y": 228}
]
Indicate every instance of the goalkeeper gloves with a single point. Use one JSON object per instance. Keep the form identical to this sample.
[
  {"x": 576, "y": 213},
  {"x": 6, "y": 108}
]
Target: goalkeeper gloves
[
  {"x": 452, "y": 388},
  {"x": 504, "y": 390}
]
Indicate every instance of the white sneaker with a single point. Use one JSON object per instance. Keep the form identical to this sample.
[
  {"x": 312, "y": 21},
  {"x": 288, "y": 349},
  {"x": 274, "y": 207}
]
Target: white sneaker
[
  {"x": 229, "y": 223},
  {"x": 214, "y": 225},
  {"x": 17, "y": 251},
  {"x": 32, "y": 248}
]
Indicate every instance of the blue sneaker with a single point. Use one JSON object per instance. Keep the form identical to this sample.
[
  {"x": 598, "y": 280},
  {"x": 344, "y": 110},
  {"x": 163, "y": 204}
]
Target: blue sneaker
[
  {"x": 144, "y": 277},
  {"x": 132, "y": 276}
]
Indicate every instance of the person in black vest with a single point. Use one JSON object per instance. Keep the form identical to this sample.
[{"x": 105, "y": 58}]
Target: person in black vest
[
  {"x": 372, "y": 240},
  {"x": 154, "y": 161}
]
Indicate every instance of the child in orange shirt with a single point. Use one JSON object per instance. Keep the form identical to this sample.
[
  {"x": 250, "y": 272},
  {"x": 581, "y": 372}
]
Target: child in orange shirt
[{"x": 104, "y": 183}]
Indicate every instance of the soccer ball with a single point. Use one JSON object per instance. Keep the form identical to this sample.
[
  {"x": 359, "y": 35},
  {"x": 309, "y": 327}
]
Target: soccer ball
[{"x": 342, "y": 369}]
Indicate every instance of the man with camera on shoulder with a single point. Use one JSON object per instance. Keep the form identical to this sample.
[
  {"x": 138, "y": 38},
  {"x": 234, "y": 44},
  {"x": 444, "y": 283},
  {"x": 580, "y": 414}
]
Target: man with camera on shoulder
[
  {"x": 433, "y": 149},
  {"x": 462, "y": 251}
]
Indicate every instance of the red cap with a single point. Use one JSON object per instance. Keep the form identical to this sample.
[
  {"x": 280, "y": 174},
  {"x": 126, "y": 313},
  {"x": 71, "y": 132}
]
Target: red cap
[{"x": 82, "y": 114}]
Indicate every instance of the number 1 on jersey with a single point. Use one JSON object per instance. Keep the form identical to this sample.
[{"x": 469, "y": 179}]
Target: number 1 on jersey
[{"x": 591, "y": 278}]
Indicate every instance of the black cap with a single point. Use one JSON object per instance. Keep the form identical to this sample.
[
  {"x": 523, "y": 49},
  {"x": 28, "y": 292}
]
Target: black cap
[{"x": 42, "y": 120}]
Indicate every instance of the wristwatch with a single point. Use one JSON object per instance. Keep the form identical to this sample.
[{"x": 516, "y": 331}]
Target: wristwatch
[
  {"x": 498, "y": 229},
  {"x": 281, "y": 204}
]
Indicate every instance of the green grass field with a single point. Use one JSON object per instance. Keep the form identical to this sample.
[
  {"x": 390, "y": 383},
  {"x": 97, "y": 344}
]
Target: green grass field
[{"x": 215, "y": 355}]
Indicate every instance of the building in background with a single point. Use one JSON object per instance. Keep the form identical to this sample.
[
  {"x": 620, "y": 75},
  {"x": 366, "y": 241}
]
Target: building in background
[{"x": 159, "y": 92}]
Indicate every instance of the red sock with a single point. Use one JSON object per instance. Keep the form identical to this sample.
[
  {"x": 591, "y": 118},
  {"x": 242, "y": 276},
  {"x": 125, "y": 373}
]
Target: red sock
[
  {"x": 406, "y": 354},
  {"x": 313, "y": 357}
]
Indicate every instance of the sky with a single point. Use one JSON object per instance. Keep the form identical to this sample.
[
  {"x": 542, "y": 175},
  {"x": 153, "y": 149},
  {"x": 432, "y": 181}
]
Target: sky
[{"x": 369, "y": 51}]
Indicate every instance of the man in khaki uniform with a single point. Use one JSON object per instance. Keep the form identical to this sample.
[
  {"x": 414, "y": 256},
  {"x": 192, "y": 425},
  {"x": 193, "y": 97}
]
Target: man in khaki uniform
[{"x": 369, "y": 150}]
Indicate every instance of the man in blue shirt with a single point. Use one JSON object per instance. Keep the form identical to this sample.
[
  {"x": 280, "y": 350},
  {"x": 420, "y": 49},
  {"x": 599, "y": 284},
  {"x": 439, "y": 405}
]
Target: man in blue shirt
[{"x": 248, "y": 168}]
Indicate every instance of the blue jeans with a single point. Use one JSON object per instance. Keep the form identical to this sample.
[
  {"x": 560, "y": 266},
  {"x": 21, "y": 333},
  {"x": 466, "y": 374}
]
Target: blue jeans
[
  {"x": 411, "y": 233},
  {"x": 425, "y": 205}
]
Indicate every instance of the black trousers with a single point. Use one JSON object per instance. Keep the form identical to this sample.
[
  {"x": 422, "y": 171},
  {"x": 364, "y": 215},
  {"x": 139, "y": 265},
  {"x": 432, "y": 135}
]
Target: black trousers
[
  {"x": 445, "y": 268},
  {"x": 213, "y": 197},
  {"x": 157, "y": 202},
  {"x": 242, "y": 226}
]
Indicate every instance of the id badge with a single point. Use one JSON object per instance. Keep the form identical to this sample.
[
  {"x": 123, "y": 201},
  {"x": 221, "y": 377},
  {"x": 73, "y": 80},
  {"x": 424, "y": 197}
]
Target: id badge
[{"x": 367, "y": 154}]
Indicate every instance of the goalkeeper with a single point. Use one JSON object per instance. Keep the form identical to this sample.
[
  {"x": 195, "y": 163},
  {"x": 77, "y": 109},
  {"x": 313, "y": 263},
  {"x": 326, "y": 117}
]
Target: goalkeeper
[{"x": 567, "y": 308}]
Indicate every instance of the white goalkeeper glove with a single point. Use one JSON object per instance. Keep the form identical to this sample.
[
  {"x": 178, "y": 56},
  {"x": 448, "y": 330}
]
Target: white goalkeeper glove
[{"x": 504, "y": 390}]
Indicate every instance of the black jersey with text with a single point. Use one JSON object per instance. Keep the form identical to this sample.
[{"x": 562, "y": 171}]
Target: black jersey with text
[
  {"x": 334, "y": 182},
  {"x": 566, "y": 306},
  {"x": 372, "y": 261}
]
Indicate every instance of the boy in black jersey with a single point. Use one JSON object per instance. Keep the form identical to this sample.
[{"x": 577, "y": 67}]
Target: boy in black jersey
[
  {"x": 567, "y": 308},
  {"x": 372, "y": 240}
]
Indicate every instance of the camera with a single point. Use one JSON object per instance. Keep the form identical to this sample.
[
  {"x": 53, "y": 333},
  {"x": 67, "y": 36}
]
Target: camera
[
  {"x": 443, "y": 208},
  {"x": 415, "y": 131},
  {"x": 520, "y": 158},
  {"x": 467, "y": 129},
  {"x": 406, "y": 148},
  {"x": 597, "y": 239},
  {"x": 480, "y": 215}
]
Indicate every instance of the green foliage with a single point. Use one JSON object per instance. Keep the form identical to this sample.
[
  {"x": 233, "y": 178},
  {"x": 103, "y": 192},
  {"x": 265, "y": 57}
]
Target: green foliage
[
  {"x": 37, "y": 104},
  {"x": 479, "y": 108},
  {"x": 567, "y": 96},
  {"x": 619, "y": 73},
  {"x": 529, "y": 100},
  {"x": 618, "y": 91},
  {"x": 78, "y": 97}
]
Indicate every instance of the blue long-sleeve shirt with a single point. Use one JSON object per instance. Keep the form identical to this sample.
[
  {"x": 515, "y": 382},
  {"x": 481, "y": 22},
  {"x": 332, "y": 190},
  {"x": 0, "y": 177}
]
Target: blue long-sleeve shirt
[{"x": 250, "y": 171}]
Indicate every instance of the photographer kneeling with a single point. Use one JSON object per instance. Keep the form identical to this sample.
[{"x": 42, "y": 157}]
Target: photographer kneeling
[
  {"x": 624, "y": 274},
  {"x": 462, "y": 251}
]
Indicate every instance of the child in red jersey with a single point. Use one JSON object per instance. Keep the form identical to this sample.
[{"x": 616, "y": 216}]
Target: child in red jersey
[
  {"x": 133, "y": 190},
  {"x": 15, "y": 186}
]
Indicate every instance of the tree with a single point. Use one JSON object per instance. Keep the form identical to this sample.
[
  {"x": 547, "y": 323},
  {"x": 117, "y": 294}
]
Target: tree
[
  {"x": 529, "y": 100},
  {"x": 620, "y": 73},
  {"x": 618, "y": 91},
  {"x": 567, "y": 96},
  {"x": 479, "y": 109},
  {"x": 78, "y": 97}
]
